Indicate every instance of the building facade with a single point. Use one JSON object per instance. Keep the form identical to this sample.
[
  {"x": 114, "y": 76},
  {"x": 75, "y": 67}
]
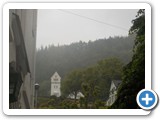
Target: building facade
[
  {"x": 113, "y": 92},
  {"x": 22, "y": 46},
  {"x": 56, "y": 85}
]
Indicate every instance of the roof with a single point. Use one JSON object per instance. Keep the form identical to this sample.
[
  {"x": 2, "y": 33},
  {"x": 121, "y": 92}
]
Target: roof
[
  {"x": 55, "y": 75},
  {"x": 72, "y": 96},
  {"x": 117, "y": 82}
]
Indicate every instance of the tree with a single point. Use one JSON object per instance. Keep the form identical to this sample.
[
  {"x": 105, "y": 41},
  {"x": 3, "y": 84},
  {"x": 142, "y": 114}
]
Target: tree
[
  {"x": 134, "y": 72},
  {"x": 72, "y": 84},
  {"x": 86, "y": 90},
  {"x": 108, "y": 69}
]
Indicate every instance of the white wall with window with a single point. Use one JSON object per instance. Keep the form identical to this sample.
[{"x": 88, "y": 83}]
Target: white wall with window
[
  {"x": 113, "y": 92},
  {"x": 56, "y": 85}
]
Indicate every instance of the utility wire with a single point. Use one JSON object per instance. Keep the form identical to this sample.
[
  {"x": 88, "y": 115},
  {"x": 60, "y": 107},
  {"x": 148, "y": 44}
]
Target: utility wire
[{"x": 98, "y": 21}]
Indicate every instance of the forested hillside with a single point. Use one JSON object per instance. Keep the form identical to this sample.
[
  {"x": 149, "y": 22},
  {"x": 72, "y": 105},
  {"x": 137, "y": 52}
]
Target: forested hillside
[{"x": 67, "y": 58}]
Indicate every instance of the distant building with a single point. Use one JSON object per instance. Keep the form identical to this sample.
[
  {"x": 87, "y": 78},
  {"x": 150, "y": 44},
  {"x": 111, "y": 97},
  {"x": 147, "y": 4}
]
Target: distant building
[
  {"x": 56, "y": 85},
  {"x": 79, "y": 95},
  {"x": 22, "y": 46},
  {"x": 113, "y": 92}
]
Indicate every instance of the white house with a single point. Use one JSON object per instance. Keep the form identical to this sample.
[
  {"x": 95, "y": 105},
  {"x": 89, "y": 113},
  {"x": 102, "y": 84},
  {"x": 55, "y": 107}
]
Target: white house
[
  {"x": 113, "y": 92},
  {"x": 22, "y": 46},
  {"x": 56, "y": 85},
  {"x": 79, "y": 95}
]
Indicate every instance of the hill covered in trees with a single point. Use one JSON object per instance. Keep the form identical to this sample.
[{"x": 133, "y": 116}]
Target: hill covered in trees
[{"x": 79, "y": 55}]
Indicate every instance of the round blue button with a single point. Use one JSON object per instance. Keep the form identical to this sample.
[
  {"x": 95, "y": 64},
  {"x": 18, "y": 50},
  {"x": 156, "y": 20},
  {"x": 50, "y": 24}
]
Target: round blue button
[{"x": 147, "y": 99}]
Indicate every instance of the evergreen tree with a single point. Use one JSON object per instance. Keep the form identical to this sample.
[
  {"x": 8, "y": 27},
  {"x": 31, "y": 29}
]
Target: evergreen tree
[{"x": 134, "y": 72}]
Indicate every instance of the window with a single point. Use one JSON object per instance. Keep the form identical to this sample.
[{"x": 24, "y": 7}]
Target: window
[
  {"x": 55, "y": 79},
  {"x": 56, "y": 86}
]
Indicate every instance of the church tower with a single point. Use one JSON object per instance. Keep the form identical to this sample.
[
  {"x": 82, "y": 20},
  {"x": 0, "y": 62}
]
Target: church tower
[{"x": 56, "y": 85}]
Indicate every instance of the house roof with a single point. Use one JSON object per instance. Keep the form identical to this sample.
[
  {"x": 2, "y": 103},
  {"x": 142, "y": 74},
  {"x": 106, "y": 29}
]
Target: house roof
[
  {"x": 79, "y": 94},
  {"x": 117, "y": 82}
]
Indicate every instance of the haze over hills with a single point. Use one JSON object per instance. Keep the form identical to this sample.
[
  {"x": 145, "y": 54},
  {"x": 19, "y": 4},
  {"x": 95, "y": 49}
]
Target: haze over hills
[{"x": 79, "y": 55}]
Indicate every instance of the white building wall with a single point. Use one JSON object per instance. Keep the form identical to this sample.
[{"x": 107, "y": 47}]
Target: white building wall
[
  {"x": 56, "y": 85},
  {"x": 55, "y": 89},
  {"x": 30, "y": 25},
  {"x": 112, "y": 95},
  {"x": 28, "y": 20}
]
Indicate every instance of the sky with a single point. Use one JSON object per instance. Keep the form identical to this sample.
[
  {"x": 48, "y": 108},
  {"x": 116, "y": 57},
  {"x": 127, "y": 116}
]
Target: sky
[{"x": 63, "y": 27}]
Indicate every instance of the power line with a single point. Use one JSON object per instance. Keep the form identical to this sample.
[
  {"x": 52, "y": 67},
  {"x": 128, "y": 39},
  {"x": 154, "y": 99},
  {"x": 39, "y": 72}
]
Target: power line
[{"x": 115, "y": 26}]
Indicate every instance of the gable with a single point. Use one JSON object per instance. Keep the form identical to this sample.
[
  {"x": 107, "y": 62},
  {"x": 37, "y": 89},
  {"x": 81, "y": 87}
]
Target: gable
[
  {"x": 112, "y": 86},
  {"x": 55, "y": 77},
  {"x": 115, "y": 84}
]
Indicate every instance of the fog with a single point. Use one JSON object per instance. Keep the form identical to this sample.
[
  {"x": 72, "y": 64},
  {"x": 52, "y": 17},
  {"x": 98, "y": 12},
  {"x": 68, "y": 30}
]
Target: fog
[{"x": 61, "y": 27}]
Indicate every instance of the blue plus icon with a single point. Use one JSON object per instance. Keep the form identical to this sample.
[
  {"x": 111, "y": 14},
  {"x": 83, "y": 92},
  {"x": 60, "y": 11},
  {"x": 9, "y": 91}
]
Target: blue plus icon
[{"x": 147, "y": 99}]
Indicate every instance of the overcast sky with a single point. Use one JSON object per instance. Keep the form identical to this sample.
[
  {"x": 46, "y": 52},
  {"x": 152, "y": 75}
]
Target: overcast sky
[{"x": 68, "y": 26}]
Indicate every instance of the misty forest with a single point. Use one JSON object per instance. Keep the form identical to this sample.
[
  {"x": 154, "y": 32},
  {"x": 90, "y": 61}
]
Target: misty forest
[{"x": 90, "y": 67}]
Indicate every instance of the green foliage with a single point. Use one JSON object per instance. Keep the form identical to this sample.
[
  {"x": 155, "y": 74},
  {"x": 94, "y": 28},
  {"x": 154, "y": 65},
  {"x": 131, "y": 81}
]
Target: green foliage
[
  {"x": 57, "y": 103},
  {"x": 138, "y": 26},
  {"x": 86, "y": 91},
  {"x": 108, "y": 69},
  {"x": 69, "y": 104},
  {"x": 134, "y": 72},
  {"x": 67, "y": 58},
  {"x": 72, "y": 84},
  {"x": 99, "y": 104},
  {"x": 93, "y": 82}
]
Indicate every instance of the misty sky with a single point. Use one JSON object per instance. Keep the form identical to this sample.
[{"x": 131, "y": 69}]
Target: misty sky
[{"x": 68, "y": 26}]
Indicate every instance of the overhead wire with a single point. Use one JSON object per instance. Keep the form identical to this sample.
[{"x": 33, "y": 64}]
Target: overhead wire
[{"x": 98, "y": 21}]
